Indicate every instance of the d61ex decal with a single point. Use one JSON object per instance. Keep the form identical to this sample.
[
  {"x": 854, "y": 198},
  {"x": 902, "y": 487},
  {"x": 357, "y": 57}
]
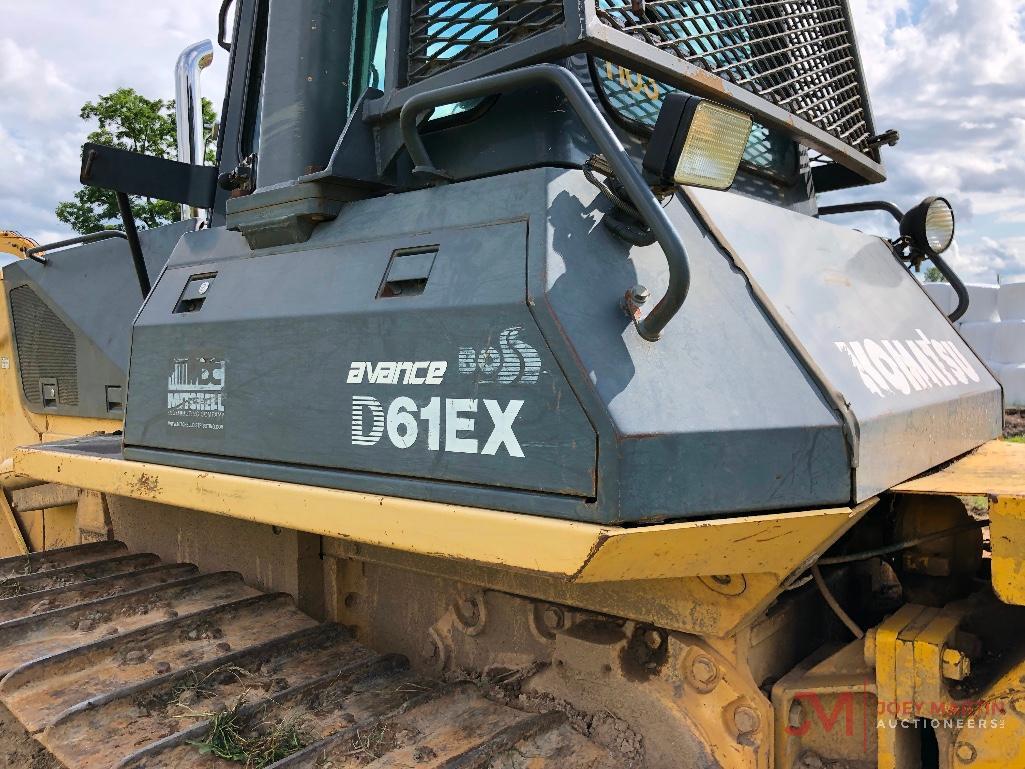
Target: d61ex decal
[{"x": 455, "y": 425}]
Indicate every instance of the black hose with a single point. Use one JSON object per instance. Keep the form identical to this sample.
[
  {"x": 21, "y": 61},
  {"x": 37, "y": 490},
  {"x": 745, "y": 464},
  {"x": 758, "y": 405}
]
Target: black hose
[
  {"x": 124, "y": 206},
  {"x": 898, "y": 547}
]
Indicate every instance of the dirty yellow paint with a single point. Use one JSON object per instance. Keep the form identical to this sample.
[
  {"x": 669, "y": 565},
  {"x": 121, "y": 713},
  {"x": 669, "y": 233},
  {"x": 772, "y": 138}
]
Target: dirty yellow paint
[
  {"x": 1007, "y": 536},
  {"x": 995, "y": 737},
  {"x": 775, "y": 544},
  {"x": 12, "y": 542},
  {"x": 996, "y": 468},
  {"x": 583, "y": 553},
  {"x": 59, "y": 527},
  {"x": 32, "y": 524}
]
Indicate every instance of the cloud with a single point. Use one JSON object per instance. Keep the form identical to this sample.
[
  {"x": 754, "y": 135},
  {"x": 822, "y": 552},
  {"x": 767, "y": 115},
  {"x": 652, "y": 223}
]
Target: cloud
[
  {"x": 947, "y": 75},
  {"x": 32, "y": 87},
  {"x": 989, "y": 259},
  {"x": 88, "y": 50}
]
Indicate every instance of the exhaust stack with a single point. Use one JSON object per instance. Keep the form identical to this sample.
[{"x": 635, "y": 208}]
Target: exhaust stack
[{"x": 189, "y": 106}]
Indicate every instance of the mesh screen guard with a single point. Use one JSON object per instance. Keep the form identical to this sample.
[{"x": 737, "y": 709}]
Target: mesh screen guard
[
  {"x": 796, "y": 54},
  {"x": 778, "y": 59}
]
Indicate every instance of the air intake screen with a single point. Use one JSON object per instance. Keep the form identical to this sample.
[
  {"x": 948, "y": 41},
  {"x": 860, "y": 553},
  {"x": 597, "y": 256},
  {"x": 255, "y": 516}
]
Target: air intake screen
[
  {"x": 46, "y": 348},
  {"x": 444, "y": 34},
  {"x": 798, "y": 54}
]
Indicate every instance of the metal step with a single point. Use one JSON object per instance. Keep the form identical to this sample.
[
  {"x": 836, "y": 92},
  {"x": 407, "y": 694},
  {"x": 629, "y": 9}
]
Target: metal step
[{"x": 114, "y": 660}]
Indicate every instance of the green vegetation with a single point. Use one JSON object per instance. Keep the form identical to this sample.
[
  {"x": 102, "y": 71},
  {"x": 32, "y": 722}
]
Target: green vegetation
[
  {"x": 236, "y": 735},
  {"x": 130, "y": 121}
]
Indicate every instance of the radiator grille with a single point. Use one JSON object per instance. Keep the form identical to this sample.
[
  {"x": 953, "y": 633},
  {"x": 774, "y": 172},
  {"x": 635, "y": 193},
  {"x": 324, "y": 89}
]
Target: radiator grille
[
  {"x": 46, "y": 348},
  {"x": 444, "y": 34},
  {"x": 797, "y": 54}
]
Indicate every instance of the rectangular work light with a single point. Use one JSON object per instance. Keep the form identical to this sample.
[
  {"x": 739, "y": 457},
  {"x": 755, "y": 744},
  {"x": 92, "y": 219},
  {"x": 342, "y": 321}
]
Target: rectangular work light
[{"x": 697, "y": 142}]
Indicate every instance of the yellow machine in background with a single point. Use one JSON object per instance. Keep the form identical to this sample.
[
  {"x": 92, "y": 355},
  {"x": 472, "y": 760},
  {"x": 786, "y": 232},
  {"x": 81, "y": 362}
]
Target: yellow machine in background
[
  {"x": 31, "y": 520},
  {"x": 14, "y": 243}
]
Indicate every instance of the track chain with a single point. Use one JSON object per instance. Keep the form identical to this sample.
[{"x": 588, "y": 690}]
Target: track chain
[{"x": 111, "y": 659}]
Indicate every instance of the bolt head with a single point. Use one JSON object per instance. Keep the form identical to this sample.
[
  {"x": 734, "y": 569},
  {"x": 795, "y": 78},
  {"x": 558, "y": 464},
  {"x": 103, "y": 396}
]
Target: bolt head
[
  {"x": 653, "y": 640},
  {"x": 746, "y": 719},
  {"x": 957, "y": 666},
  {"x": 639, "y": 294},
  {"x": 554, "y": 618},
  {"x": 704, "y": 670},
  {"x": 965, "y": 752}
]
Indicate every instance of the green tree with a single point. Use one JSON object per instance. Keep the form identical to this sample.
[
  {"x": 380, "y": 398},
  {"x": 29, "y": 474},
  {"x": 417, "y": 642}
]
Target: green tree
[
  {"x": 933, "y": 275},
  {"x": 128, "y": 120}
]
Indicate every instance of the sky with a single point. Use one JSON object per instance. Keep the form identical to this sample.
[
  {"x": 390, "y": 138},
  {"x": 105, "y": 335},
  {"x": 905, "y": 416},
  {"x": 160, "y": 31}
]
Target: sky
[{"x": 948, "y": 74}]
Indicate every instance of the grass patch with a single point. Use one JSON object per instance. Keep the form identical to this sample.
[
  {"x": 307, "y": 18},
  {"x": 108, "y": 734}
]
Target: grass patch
[
  {"x": 1016, "y": 439},
  {"x": 189, "y": 691},
  {"x": 371, "y": 743},
  {"x": 236, "y": 735}
]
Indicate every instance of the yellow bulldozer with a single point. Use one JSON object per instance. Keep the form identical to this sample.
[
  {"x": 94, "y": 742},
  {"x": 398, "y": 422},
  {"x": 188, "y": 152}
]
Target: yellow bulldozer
[{"x": 505, "y": 398}]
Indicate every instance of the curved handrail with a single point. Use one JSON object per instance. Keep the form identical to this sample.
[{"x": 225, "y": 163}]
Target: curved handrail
[
  {"x": 868, "y": 205},
  {"x": 92, "y": 237},
  {"x": 650, "y": 327},
  {"x": 963, "y": 299}
]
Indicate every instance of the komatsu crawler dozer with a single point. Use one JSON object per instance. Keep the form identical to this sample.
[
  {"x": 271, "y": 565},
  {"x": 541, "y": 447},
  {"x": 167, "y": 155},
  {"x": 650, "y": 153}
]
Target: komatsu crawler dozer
[{"x": 506, "y": 399}]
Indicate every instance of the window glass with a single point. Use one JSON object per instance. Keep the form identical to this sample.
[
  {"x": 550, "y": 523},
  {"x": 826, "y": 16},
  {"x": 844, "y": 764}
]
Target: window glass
[
  {"x": 456, "y": 26},
  {"x": 638, "y": 98},
  {"x": 379, "y": 47},
  {"x": 371, "y": 49}
]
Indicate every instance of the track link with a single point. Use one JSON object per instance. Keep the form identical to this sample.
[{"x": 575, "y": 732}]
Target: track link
[{"x": 111, "y": 659}]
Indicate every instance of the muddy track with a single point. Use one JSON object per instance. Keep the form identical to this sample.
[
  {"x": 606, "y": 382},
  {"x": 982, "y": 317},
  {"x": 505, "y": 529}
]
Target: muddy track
[{"x": 117, "y": 660}]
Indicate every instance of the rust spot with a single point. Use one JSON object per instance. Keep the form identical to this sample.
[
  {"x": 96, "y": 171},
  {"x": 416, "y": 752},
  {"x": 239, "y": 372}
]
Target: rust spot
[
  {"x": 146, "y": 485},
  {"x": 639, "y": 660}
]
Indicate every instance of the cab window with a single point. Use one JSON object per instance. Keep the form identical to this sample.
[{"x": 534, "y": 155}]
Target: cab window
[{"x": 371, "y": 51}]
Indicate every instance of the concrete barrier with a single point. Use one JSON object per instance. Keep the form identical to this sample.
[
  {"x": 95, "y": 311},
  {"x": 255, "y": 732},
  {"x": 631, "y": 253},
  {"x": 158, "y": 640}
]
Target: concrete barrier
[
  {"x": 943, "y": 295},
  {"x": 1012, "y": 377},
  {"x": 981, "y": 337},
  {"x": 1011, "y": 304},
  {"x": 994, "y": 327},
  {"x": 983, "y": 305},
  {"x": 1009, "y": 343}
]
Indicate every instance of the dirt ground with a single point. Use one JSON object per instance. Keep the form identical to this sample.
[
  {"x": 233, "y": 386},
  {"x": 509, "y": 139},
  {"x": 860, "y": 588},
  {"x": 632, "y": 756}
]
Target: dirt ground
[
  {"x": 18, "y": 750},
  {"x": 1014, "y": 423}
]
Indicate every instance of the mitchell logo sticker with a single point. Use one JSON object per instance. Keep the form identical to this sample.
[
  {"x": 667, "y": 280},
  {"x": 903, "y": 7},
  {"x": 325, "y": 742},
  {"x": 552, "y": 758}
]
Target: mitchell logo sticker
[
  {"x": 889, "y": 367},
  {"x": 514, "y": 362},
  {"x": 195, "y": 393}
]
